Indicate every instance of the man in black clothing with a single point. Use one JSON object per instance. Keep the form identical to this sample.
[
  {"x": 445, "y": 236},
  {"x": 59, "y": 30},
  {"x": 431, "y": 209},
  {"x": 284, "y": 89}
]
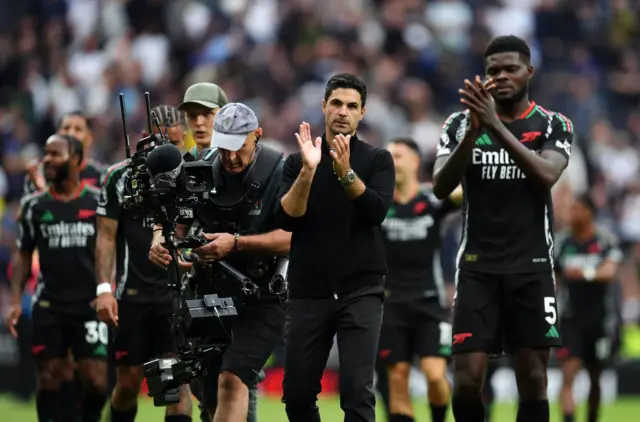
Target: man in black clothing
[
  {"x": 416, "y": 310},
  {"x": 508, "y": 152},
  {"x": 336, "y": 193},
  {"x": 587, "y": 261},
  {"x": 60, "y": 224},
  {"x": 142, "y": 304},
  {"x": 239, "y": 162}
]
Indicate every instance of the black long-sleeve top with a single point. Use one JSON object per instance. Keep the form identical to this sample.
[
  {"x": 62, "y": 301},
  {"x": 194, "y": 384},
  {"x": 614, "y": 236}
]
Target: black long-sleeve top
[{"x": 336, "y": 246}]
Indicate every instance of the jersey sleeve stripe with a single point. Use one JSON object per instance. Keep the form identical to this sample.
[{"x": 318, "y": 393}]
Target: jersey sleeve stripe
[
  {"x": 450, "y": 120},
  {"x": 566, "y": 123},
  {"x": 544, "y": 110},
  {"x": 113, "y": 169}
]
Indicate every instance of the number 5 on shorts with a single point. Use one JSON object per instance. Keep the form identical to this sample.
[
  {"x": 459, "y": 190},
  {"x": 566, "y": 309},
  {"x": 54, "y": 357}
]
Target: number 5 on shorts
[
  {"x": 96, "y": 331},
  {"x": 550, "y": 310}
]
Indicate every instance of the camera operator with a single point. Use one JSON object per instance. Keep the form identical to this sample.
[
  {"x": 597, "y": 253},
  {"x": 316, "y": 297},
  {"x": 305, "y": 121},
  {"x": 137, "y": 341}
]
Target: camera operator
[
  {"x": 142, "y": 312},
  {"x": 239, "y": 164},
  {"x": 201, "y": 103}
]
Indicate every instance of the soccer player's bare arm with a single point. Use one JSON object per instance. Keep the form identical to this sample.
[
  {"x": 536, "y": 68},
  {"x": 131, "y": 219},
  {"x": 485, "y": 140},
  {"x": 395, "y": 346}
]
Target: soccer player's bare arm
[
  {"x": 106, "y": 249},
  {"x": 449, "y": 167},
  {"x": 606, "y": 272},
  {"x": 608, "y": 269},
  {"x": 21, "y": 273}
]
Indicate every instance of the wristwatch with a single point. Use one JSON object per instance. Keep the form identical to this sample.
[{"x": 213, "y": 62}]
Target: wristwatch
[{"x": 348, "y": 178}]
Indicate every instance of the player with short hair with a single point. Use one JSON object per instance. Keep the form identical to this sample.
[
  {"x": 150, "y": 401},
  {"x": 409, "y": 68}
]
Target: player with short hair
[
  {"x": 587, "y": 260},
  {"x": 508, "y": 152},
  {"x": 416, "y": 309},
  {"x": 61, "y": 224}
]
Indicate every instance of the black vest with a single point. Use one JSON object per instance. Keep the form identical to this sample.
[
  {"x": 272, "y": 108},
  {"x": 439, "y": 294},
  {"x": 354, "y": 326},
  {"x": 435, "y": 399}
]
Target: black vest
[{"x": 235, "y": 201}]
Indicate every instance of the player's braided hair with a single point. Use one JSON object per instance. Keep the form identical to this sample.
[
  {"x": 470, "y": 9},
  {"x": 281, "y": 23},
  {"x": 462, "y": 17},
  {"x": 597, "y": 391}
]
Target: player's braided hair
[
  {"x": 508, "y": 44},
  {"x": 75, "y": 146},
  {"x": 169, "y": 116}
]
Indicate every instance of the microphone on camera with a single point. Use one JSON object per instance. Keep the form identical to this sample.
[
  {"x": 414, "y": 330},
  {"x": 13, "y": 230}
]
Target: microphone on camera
[{"x": 164, "y": 159}]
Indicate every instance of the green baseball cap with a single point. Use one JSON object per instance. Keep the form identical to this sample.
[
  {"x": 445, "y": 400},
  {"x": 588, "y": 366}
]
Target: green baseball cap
[{"x": 206, "y": 94}]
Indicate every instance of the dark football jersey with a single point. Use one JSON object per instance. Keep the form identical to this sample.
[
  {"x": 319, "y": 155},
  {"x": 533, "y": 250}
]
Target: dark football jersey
[
  {"x": 137, "y": 279},
  {"x": 64, "y": 234},
  {"x": 412, "y": 238},
  {"x": 581, "y": 300},
  {"x": 507, "y": 219},
  {"x": 90, "y": 173}
]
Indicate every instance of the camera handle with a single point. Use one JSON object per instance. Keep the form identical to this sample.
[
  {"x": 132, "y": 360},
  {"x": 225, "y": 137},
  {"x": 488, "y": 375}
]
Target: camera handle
[{"x": 171, "y": 244}]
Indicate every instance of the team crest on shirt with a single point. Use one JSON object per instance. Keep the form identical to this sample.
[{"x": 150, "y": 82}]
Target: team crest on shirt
[{"x": 419, "y": 207}]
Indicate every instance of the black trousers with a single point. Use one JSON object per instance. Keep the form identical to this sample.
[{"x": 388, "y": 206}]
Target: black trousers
[{"x": 311, "y": 326}]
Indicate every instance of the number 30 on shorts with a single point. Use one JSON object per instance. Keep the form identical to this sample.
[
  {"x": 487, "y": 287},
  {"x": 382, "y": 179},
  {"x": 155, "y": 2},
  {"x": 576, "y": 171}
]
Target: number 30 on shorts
[
  {"x": 550, "y": 310},
  {"x": 97, "y": 331}
]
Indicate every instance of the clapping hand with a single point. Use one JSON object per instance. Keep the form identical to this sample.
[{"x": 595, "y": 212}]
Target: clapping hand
[
  {"x": 340, "y": 153},
  {"x": 478, "y": 98},
  {"x": 311, "y": 153}
]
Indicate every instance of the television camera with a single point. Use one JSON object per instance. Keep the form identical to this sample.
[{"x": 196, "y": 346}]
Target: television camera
[{"x": 162, "y": 184}]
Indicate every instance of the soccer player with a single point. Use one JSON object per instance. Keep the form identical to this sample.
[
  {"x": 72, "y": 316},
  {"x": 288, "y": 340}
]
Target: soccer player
[
  {"x": 77, "y": 125},
  {"x": 508, "y": 152},
  {"x": 142, "y": 304},
  {"x": 61, "y": 224},
  {"x": 587, "y": 261},
  {"x": 173, "y": 122},
  {"x": 416, "y": 310}
]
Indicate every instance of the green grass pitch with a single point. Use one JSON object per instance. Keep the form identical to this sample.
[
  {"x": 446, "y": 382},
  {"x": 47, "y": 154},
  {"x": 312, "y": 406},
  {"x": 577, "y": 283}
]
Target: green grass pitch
[{"x": 271, "y": 410}]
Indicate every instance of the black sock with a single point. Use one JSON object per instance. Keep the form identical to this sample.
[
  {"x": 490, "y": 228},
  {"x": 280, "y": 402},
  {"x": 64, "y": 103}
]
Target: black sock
[
  {"x": 468, "y": 410},
  {"x": 592, "y": 416},
  {"x": 177, "y": 418},
  {"x": 395, "y": 417},
  {"x": 568, "y": 417},
  {"x": 128, "y": 415},
  {"x": 48, "y": 405},
  {"x": 68, "y": 403},
  {"x": 92, "y": 406},
  {"x": 438, "y": 412},
  {"x": 533, "y": 411}
]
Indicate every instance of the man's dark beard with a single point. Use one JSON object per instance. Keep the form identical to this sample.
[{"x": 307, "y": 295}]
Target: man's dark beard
[
  {"x": 516, "y": 97},
  {"x": 62, "y": 173}
]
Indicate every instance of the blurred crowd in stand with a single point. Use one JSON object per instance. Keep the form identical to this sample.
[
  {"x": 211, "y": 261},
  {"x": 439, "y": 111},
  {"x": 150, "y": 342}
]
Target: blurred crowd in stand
[{"x": 276, "y": 55}]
